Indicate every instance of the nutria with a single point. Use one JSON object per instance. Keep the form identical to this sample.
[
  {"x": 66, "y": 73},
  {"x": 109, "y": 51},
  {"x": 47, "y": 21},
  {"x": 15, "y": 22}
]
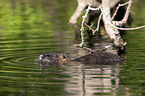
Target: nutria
[
  {"x": 93, "y": 58},
  {"x": 99, "y": 58}
]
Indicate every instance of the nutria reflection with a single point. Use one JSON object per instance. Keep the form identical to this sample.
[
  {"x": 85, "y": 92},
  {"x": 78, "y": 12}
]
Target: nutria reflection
[{"x": 94, "y": 58}]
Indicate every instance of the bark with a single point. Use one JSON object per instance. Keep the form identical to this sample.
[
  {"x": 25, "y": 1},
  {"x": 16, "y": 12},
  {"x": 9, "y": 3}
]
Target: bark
[
  {"x": 111, "y": 31},
  {"x": 82, "y": 4}
]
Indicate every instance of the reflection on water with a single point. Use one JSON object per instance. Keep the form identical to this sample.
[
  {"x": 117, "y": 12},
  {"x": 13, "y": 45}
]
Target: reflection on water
[
  {"x": 29, "y": 28},
  {"x": 90, "y": 80},
  {"x": 86, "y": 80}
]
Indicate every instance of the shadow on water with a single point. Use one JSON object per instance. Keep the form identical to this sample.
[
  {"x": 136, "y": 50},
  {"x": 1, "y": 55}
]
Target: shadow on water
[{"x": 29, "y": 28}]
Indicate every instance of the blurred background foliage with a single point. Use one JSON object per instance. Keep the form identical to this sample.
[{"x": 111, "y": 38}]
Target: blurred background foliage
[{"x": 26, "y": 17}]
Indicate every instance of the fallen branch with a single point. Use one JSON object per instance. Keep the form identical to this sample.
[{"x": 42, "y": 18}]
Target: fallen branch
[
  {"x": 90, "y": 27},
  {"x": 110, "y": 26},
  {"x": 82, "y": 27},
  {"x": 83, "y": 22},
  {"x": 127, "y": 28},
  {"x": 117, "y": 8},
  {"x": 124, "y": 20},
  {"x": 97, "y": 29}
]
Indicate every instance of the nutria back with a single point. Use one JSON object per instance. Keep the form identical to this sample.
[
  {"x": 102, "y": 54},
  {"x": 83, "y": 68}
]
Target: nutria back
[{"x": 99, "y": 58}]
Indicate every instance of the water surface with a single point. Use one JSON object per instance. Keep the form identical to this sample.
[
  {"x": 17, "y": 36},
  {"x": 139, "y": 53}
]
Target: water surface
[{"x": 29, "y": 28}]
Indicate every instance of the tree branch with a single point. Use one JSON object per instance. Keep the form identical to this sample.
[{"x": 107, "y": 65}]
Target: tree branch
[
  {"x": 110, "y": 26},
  {"x": 97, "y": 29},
  {"x": 83, "y": 22},
  {"x": 124, "y": 20}
]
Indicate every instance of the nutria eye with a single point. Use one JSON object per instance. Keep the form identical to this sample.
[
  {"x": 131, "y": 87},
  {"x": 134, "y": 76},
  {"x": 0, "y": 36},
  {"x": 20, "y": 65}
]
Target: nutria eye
[{"x": 64, "y": 56}]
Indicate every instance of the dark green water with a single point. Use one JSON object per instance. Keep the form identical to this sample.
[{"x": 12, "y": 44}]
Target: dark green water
[{"x": 29, "y": 28}]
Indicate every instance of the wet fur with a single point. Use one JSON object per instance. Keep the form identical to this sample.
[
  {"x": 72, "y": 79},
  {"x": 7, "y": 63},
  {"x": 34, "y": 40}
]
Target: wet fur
[
  {"x": 99, "y": 58},
  {"x": 93, "y": 58}
]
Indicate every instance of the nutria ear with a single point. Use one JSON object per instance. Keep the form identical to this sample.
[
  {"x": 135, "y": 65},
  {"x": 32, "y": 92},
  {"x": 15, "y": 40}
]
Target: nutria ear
[
  {"x": 64, "y": 56},
  {"x": 40, "y": 57}
]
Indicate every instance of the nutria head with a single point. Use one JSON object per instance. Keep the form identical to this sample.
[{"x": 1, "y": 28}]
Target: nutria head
[{"x": 53, "y": 57}]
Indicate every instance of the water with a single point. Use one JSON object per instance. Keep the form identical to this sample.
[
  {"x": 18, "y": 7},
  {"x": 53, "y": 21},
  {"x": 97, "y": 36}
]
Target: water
[{"x": 30, "y": 28}]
